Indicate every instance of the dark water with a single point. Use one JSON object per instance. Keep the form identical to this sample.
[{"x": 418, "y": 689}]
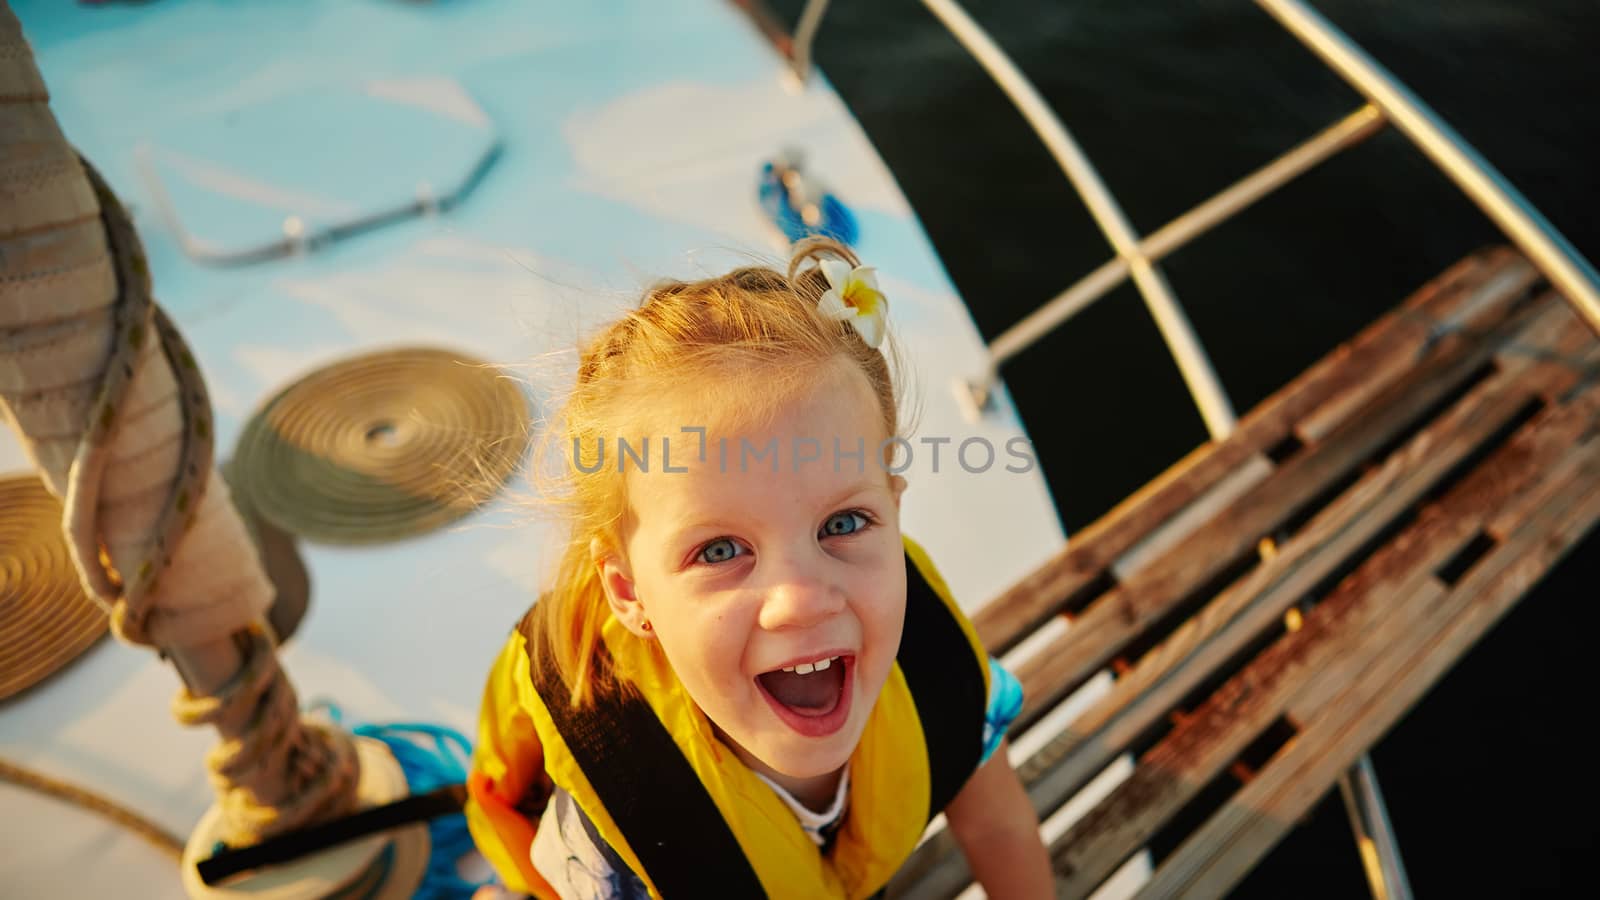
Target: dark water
[{"x": 1490, "y": 789}]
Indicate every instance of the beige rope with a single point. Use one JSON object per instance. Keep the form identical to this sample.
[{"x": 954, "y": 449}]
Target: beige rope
[
  {"x": 46, "y": 620},
  {"x": 99, "y": 804},
  {"x": 276, "y": 771},
  {"x": 382, "y": 446},
  {"x": 111, "y": 407}
]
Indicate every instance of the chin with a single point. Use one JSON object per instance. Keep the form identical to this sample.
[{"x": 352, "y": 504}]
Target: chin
[
  {"x": 811, "y": 765},
  {"x": 814, "y": 761}
]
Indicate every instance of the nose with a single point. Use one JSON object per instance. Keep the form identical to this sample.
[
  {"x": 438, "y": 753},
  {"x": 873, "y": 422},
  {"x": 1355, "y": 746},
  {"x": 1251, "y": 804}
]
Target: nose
[{"x": 799, "y": 596}]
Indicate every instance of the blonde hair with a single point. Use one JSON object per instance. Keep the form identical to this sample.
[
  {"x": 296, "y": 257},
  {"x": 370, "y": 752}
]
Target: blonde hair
[{"x": 703, "y": 339}]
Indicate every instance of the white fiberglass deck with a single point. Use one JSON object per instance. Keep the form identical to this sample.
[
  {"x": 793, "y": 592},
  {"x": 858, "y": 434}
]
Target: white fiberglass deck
[{"x": 631, "y": 136}]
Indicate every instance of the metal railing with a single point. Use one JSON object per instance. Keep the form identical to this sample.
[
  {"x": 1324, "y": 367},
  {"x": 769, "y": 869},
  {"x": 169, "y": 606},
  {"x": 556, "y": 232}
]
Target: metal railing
[
  {"x": 1388, "y": 102},
  {"x": 1375, "y": 841},
  {"x": 1354, "y": 128},
  {"x": 1572, "y": 275},
  {"x": 1179, "y": 335}
]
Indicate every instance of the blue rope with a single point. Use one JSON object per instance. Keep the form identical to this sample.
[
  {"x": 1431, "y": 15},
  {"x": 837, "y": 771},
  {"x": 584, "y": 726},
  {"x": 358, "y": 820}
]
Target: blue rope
[{"x": 431, "y": 756}]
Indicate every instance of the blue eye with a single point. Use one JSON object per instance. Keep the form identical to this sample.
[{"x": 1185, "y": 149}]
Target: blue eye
[
  {"x": 719, "y": 550},
  {"x": 840, "y": 524}
]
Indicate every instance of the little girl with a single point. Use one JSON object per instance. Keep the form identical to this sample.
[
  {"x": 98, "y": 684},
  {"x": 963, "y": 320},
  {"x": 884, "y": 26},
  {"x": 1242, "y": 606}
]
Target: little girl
[{"x": 744, "y": 681}]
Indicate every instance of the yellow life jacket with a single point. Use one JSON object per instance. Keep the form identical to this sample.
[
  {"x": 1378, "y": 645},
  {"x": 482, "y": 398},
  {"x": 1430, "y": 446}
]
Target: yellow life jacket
[{"x": 683, "y": 812}]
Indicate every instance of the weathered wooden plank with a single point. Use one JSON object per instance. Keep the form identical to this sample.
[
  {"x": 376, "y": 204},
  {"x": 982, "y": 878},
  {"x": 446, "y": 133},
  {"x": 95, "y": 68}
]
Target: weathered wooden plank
[
  {"x": 1191, "y": 518},
  {"x": 1388, "y": 346},
  {"x": 1124, "y": 612},
  {"x": 1476, "y": 308},
  {"x": 1474, "y": 297},
  {"x": 1204, "y": 744},
  {"x": 1216, "y": 856},
  {"x": 1254, "y": 604},
  {"x": 1333, "y": 639},
  {"x": 1573, "y": 476}
]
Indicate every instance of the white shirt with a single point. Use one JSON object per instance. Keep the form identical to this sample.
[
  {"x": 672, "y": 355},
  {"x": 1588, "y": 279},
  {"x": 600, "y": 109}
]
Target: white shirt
[{"x": 580, "y": 865}]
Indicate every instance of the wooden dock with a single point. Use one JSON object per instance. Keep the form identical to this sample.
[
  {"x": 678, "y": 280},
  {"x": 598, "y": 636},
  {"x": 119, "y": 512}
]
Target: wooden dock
[{"x": 1274, "y": 603}]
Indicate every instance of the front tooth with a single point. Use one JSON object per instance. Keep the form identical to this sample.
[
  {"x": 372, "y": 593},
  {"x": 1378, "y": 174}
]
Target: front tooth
[
  {"x": 788, "y": 668},
  {"x": 822, "y": 664},
  {"x": 803, "y": 669}
]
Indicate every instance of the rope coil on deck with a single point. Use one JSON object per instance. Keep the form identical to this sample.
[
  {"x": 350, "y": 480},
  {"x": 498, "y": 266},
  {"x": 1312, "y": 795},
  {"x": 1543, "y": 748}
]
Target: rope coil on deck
[
  {"x": 382, "y": 446},
  {"x": 46, "y": 620}
]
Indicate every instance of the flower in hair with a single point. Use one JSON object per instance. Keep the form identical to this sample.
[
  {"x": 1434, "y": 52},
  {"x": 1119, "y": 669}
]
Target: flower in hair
[{"x": 853, "y": 297}]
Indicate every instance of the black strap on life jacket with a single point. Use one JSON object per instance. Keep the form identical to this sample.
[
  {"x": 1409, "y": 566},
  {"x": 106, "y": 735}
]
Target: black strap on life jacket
[
  {"x": 947, "y": 689},
  {"x": 649, "y": 788},
  {"x": 655, "y": 797}
]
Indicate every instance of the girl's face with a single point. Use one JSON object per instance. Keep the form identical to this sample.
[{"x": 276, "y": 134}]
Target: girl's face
[{"x": 750, "y": 577}]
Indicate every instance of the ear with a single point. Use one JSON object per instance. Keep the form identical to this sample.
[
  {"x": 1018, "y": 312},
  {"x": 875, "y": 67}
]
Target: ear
[
  {"x": 897, "y": 486},
  {"x": 617, "y": 580}
]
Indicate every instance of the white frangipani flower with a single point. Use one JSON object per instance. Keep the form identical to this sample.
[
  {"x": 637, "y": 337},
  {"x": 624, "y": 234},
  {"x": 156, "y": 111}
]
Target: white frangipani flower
[{"x": 853, "y": 297}]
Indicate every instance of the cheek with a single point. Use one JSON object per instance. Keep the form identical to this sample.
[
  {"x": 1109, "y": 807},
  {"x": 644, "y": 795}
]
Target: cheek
[
  {"x": 880, "y": 610},
  {"x": 705, "y": 650},
  {"x": 890, "y": 626}
]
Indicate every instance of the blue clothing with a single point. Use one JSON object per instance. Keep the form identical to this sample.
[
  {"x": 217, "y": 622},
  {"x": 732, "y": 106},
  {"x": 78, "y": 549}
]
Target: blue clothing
[{"x": 1005, "y": 703}]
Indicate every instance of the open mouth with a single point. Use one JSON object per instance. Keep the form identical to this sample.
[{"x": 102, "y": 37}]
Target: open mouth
[{"x": 812, "y": 698}]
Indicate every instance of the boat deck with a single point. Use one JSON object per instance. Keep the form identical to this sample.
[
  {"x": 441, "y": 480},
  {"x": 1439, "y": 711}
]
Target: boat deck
[
  {"x": 631, "y": 138},
  {"x": 1208, "y": 658},
  {"x": 1275, "y": 602}
]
